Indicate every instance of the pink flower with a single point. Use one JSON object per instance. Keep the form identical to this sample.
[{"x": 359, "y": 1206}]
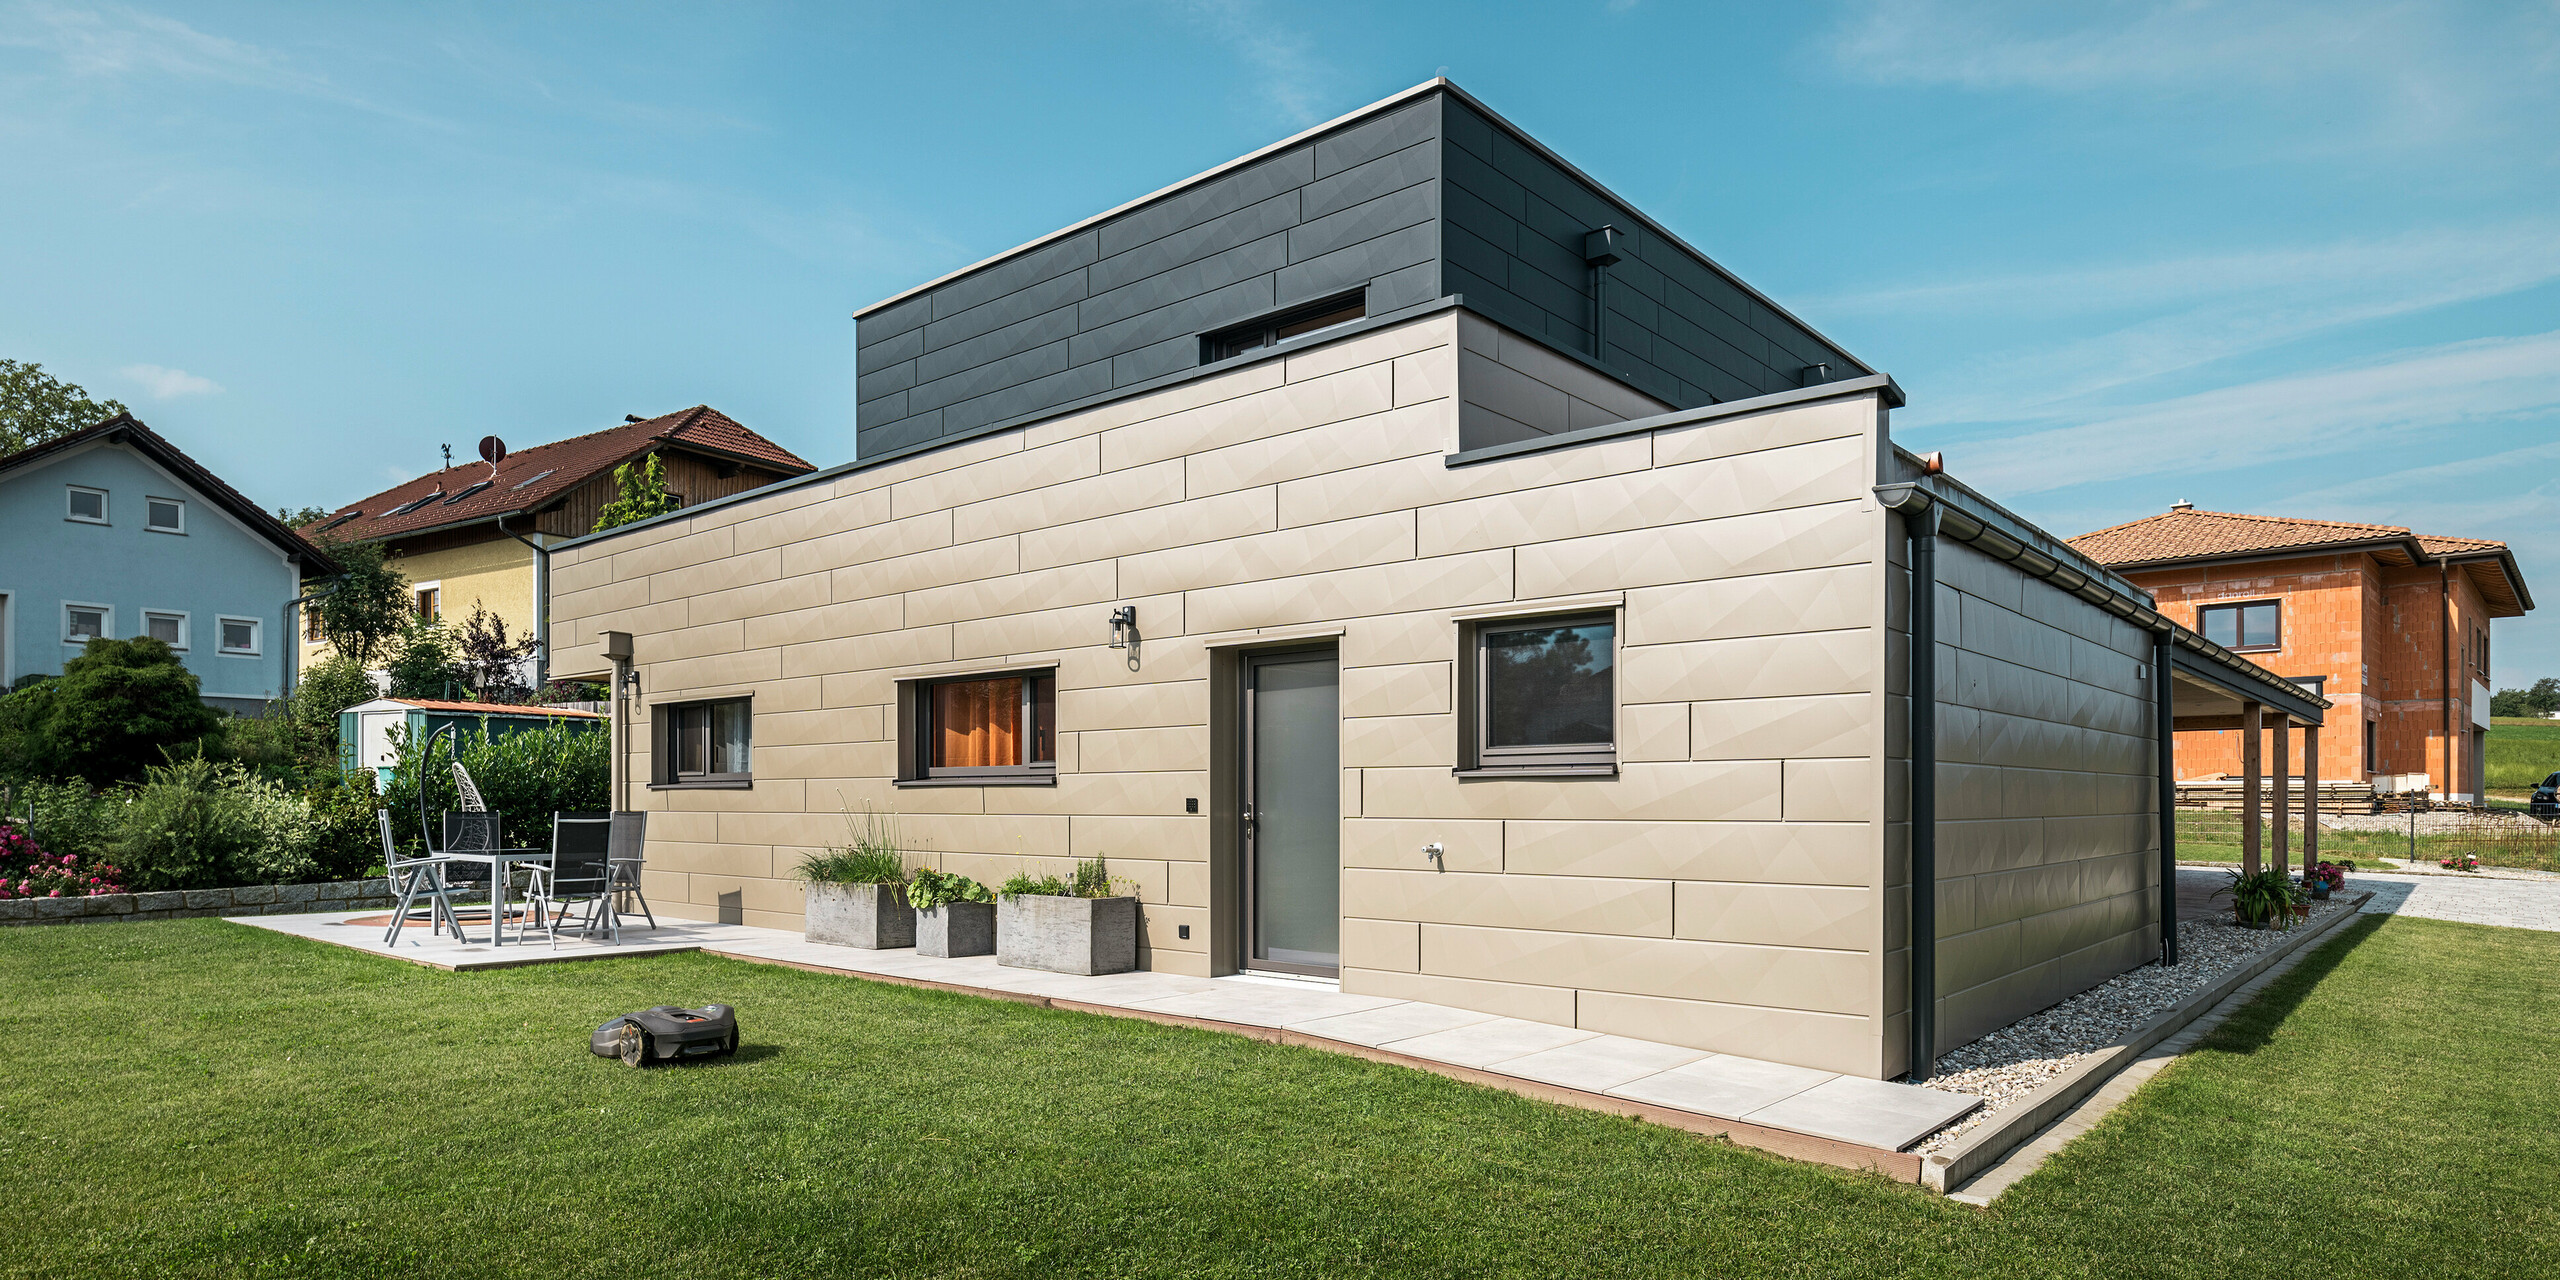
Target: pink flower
[{"x": 55, "y": 894}]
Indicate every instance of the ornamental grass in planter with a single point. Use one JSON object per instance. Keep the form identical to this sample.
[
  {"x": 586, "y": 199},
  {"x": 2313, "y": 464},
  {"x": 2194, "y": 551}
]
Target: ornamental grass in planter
[
  {"x": 1085, "y": 923},
  {"x": 955, "y": 915},
  {"x": 858, "y": 889},
  {"x": 2261, "y": 900}
]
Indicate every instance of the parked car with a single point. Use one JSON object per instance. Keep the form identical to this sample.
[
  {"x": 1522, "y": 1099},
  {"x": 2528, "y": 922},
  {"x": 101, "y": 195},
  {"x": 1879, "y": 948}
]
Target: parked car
[{"x": 2546, "y": 798}]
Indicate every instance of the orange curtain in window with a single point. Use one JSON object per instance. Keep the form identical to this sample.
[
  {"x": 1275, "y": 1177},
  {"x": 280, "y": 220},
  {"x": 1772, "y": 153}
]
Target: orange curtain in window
[{"x": 977, "y": 724}]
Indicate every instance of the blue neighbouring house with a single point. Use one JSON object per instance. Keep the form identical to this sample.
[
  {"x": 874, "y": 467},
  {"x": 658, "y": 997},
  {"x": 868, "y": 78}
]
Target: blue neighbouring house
[{"x": 113, "y": 532}]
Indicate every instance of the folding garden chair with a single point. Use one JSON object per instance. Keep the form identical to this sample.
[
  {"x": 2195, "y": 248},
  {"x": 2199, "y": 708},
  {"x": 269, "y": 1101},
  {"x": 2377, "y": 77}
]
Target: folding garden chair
[
  {"x": 579, "y": 871},
  {"x": 629, "y": 848},
  {"x": 409, "y": 877}
]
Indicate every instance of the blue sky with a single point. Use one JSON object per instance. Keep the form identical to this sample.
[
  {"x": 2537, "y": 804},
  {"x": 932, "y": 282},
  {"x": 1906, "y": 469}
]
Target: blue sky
[{"x": 2291, "y": 259}]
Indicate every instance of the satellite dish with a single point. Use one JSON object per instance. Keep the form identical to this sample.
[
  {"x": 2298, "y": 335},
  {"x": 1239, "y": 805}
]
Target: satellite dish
[{"x": 492, "y": 450}]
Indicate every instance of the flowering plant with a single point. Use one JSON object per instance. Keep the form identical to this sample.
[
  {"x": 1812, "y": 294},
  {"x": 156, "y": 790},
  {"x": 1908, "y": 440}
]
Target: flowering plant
[
  {"x": 2335, "y": 874},
  {"x": 2460, "y": 862},
  {"x": 27, "y": 871}
]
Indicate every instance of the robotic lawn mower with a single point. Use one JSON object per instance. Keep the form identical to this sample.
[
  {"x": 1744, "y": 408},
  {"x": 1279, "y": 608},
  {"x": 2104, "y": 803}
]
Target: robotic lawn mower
[{"x": 666, "y": 1034}]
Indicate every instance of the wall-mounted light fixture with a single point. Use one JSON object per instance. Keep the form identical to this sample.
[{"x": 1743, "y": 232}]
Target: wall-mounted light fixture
[
  {"x": 1124, "y": 632},
  {"x": 1601, "y": 249}
]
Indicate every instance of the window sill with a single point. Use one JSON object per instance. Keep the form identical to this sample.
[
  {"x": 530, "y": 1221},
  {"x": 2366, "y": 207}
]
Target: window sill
[
  {"x": 1026, "y": 780},
  {"x": 718, "y": 784},
  {"x": 1538, "y": 771}
]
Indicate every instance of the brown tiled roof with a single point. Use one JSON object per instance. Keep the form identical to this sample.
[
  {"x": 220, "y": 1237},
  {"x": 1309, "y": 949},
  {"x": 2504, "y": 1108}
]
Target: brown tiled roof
[
  {"x": 529, "y": 480},
  {"x": 2207, "y": 535},
  {"x": 2441, "y": 546}
]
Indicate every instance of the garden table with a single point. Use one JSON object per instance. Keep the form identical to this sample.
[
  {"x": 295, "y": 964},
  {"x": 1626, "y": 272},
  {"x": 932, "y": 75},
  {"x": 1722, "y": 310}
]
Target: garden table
[{"x": 501, "y": 864}]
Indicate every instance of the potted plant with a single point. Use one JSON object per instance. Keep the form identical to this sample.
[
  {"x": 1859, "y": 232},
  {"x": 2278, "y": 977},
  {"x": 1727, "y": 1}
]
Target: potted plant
[
  {"x": 2257, "y": 901},
  {"x": 955, "y": 915},
  {"x": 858, "y": 889},
  {"x": 1068, "y": 924}
]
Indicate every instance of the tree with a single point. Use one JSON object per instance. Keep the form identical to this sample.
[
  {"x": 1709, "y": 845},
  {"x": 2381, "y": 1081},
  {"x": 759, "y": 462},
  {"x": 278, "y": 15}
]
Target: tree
[
  {"x": 370, "y": 605},
  {"x": 2540, "y": 700},
  {"x": 643, "y": 495},
  {"x": 121, "y": 706},
  {"x": 332, "y": 685},
  {"x": 495, "y": 662},
  {"x": 296, "y": 517},
  {"x": 425, "y": 663},
  {"x": 35, "y": 407}
]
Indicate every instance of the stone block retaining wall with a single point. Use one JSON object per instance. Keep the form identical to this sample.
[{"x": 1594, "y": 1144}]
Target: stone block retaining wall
[{"x": 247, "y": 900}]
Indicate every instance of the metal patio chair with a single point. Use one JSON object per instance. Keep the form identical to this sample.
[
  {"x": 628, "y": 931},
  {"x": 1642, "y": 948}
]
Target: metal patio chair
[
  {"x": 627, "y": 853},
  {"x": 409, "y": 877},
  {"x": 579, "y": 871}
]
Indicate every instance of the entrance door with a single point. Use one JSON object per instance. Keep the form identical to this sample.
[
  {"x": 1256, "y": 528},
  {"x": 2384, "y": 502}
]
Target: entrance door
[{"x": 1293, "y": 814}]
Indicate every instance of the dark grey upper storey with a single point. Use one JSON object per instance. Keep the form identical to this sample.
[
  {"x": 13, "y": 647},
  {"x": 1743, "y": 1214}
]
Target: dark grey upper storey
[{"x": 1424, "y": 195}]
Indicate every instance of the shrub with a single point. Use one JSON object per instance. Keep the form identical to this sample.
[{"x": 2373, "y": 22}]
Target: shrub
[
  {"x": 66, "y": 817},
  {"x": 931, "y": 888},
  {"x": 346, "y": 839},
  {"x": 1090, "y": 880},
  {"x": 181, "y": 830},
  {"x": 331, "y": 685},
  {"x": 2267, "y": 897},
  {"x": 525, "y": 777},
  {"x": 118, "y": 708},
  {"x": 425, "y": 663},
  {"x": 27, "y": 870}
]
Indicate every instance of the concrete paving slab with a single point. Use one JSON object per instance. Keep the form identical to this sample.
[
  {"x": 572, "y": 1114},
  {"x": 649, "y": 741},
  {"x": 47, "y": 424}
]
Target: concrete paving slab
[
  {"x": 1600, "y": 1063},
  {"x": 1873, "y": 1113},
  {"x": 1259, "y": 1005},
  {"x": 1484, "y": 1043},
  {"x": 1723, "y": 1085},
  {"x": 1389, "y": 1022}
]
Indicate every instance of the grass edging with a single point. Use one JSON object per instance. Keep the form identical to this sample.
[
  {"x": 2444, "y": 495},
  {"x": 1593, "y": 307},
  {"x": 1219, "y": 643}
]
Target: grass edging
[
  {"x": 1943, "y": 1171},
  {"x": 1899, "y": 1166}
]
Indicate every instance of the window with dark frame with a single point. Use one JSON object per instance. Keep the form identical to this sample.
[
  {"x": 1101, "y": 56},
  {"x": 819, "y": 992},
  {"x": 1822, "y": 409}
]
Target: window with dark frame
[
  {"x": 705, "y": 743},
  {"x": 1545, "y": 695},
  {"x": 2316, "y": 686},
  {"x": 1297, "y": 322},
  {"x": 2371, "y": 765},
  {"x": 986, "y": 729},
  {"x": 2255, "y": 625}
]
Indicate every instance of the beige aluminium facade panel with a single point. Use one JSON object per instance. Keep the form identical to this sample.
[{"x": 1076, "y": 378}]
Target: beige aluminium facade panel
[{"x": 1727, "y": 888}]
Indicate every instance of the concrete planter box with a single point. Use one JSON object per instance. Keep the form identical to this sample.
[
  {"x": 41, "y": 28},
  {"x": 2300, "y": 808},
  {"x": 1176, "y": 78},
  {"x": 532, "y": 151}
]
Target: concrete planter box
[
  {"x": 871, "y": 916},
  {"x": 956, "y": 929},
  {"x": 1067, "y": 935}
]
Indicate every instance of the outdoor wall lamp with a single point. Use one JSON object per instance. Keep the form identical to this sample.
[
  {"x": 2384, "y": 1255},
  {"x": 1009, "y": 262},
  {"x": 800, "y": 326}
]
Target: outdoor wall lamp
[{"x": 1124, "y": 632}]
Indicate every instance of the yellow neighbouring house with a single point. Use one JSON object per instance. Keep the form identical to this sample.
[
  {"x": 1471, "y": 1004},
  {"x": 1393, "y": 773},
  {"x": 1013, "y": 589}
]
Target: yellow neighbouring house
[{"x": 476, "y": 535}]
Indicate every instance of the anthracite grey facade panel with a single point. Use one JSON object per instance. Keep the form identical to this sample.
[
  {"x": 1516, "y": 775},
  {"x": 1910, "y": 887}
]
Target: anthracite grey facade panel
[{"x": 1425, "y": 199}]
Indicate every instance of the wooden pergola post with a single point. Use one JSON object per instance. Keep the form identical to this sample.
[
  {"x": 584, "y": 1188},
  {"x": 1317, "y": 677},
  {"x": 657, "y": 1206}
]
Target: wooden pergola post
[
  {"x": 2310, "y": 798},
  {"x": 2283, "y": 771},
  {"x": 2249, "y": 788}
]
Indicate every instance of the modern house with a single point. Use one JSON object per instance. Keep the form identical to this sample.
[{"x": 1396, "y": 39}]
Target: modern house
[
  {"x": 1417, "y": 569},
  {"x": 112, "y": 532},
  {"x": 475, "y": 535},
  {"x": 2391, "y": 626}
]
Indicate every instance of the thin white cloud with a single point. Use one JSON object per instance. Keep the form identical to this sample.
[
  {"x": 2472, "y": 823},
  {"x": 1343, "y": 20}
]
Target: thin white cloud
[
  {"x": 169, "y": 384},
  {"x": 113, "y": 41},
  {"x": 1291, "y": 75},
  {"x": 2412, "y": 75},
  {"x": 2178, "y": 313},
  {"x": 2386, "y": 407}
]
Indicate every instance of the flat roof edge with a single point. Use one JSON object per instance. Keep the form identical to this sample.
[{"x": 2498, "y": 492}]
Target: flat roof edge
[{"x": 1873, "y": 382}]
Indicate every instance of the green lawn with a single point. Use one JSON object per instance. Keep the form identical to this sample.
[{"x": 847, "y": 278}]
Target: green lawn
[
  {"x": 2522, "y": 752},
  {"x": 2212, "y": 835},
  {"x": 197, "y": 1098}
]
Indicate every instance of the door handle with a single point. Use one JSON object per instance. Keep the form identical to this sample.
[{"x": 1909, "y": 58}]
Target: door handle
[{"x": 1248, "y": 824}]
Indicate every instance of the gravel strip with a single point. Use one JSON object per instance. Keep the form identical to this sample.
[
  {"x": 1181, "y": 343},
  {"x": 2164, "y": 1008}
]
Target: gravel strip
[{"x": 2005, "y": 1066}]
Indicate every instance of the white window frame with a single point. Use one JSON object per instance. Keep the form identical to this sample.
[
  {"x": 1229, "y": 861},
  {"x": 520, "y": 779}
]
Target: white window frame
[
  {"x": 105, "y": 513},
  {"x": 179, "y": 503},
  {"x": 183, "y": 624},
  {"x": 106, "y": 620},
  {"x": 416, "y": 588},
  {"x": 257, "y": 636}
]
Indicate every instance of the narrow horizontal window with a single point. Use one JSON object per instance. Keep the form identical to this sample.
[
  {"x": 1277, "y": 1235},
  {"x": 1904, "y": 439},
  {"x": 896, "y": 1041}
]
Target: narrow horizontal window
[
  {"x": 164, "y": 515},
  {"x": 1296, "y": 322},
  {"x": 1545, "y": 695},
  {"x": 82, "y": 623},
  {"x": 705, "y": 743},
  {"x": 991, "y": 728},
  {"x": 240, "y": 636},
  {"x": 87, "y": 505}
]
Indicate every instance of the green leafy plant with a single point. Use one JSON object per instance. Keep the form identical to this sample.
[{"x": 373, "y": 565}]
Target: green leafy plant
[
  {"x": 368, "y": 605},
  {"x": 869, "y": 854},
  {"x": 119, "y": 708},
  {"x": 1091, "y": 879},
  {"x": 197, "y": 824},
  {"x": 642, "y": 495},
  {"x": 930, "y": 888},
  {"x": 36, "y": 406},
  {"x": 427, "y": 663},
  {"x": 525, "y": 776},
  {"x": 2264, "y": 898}
]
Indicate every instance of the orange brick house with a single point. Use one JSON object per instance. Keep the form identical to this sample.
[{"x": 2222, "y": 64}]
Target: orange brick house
[{"x": 2391, "y": 626}]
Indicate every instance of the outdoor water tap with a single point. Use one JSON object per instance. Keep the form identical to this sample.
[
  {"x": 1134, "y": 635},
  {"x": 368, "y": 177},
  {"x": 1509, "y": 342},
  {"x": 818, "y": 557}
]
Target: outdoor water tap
[{"x": 1433, "y": 851}]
